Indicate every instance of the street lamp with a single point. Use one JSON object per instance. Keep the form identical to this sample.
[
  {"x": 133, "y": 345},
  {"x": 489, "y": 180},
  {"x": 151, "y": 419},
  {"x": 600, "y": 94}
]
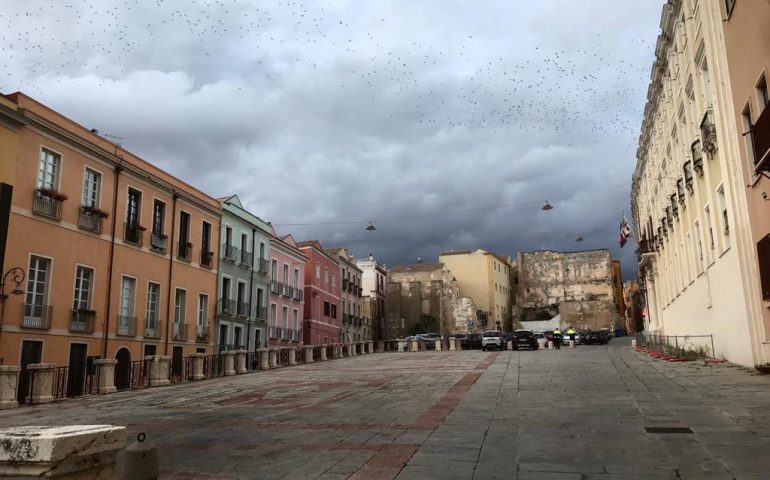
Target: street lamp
[
  {"x": 547, "y": 206},
  {"x": 371, "y": 227},
  {"x": 16, "y": 275}
]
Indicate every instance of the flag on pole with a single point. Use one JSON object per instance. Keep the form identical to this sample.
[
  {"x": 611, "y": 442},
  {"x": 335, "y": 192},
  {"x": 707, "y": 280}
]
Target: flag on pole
[{"x": 625, "y": 232}]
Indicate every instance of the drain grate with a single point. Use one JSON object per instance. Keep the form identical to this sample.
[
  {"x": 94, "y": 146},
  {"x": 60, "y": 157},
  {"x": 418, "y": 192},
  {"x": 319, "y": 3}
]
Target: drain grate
[{"x": 668, "y": 430}]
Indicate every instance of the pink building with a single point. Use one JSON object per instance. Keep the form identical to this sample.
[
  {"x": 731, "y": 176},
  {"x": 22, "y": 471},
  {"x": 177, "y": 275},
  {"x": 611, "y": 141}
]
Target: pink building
[
  {"x": 322, "y": 295},
  {"x": 287, "y": 284}
]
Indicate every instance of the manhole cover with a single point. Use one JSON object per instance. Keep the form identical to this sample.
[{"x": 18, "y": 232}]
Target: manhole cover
[{"x": 668, "y": 430}]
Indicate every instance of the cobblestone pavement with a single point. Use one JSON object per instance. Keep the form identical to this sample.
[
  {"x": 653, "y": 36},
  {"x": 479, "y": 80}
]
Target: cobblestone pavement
[{"x": 567, "y": 414}]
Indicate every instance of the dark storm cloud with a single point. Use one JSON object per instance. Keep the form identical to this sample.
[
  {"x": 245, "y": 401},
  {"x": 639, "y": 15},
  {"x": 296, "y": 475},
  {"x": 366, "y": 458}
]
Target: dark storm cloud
[{"x": 444, "y": 123}]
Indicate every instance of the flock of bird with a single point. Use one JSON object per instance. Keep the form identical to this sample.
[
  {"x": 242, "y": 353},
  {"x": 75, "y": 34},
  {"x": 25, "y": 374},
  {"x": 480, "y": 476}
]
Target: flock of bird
[{"x": 453, "y": 81}]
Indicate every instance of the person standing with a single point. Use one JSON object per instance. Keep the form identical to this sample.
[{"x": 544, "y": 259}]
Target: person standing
[
  {"x": 557, "y": 338},
  {"x": 571, "y": 333}
]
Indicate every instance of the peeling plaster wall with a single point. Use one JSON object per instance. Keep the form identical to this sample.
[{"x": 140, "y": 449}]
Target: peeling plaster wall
[{"x": 576, "y": 285}]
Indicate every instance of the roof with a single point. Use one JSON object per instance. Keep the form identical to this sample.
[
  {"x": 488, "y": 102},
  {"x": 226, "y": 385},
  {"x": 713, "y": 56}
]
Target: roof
[{"x": 417, "y": 267}]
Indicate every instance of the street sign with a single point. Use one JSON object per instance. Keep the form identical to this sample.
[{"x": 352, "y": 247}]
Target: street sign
[{"x": 470, "y": 323}]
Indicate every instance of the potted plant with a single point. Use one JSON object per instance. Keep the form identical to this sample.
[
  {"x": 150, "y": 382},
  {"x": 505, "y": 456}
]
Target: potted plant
[{"x": 51, "y": 193}]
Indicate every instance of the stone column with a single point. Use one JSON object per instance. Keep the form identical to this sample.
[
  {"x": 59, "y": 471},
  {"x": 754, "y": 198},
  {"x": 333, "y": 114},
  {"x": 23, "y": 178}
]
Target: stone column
[
  {"x": 400, "y": 344},
  {"x": 159, "y": 365},
  {"x": 452, "y": 344},
  {"x": 380, "y": 346},
  {"x": 633, "y": 345},
  {"x": 458, "y": 345},
  {"x": 106, "y": 368},
  {"x": 9, "y": 380},
  {"x": 67, "y": 452},
  {"x": 264, "y": 358},
  {"x": 413, "y": 345},
  {"x": 229, "y": 359},
  {"x": 198, "y": 359},
  {"x": 240, "y": 362},
  {"x": 42, "y": 382},
  {"x": 370, "y": 346},
  {"x": 571, "y": 344},
  {"x": 308, "y": 353},
  {"x": 273, "y": 355},
  {"x": 323, "y": 353},
  {"x": 292, "y": 356},
  {"x": 439, "y": 344},
  {"x": 338, "y": 351}
]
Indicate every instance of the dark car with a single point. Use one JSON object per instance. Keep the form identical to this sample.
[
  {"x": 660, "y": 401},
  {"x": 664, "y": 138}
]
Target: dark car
[
  {"x": 473, "y": 341},
  {"x": 508, "y": 337},
  {"x": 463, "y": 338},
  {"x": 595, "y": 338},
  {"x": 607, "y": 334},
  {"x": 525, "y": 339}
]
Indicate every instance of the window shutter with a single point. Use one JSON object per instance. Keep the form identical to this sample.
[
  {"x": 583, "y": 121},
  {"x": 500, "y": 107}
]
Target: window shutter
[{"x": 763, "y": 253}]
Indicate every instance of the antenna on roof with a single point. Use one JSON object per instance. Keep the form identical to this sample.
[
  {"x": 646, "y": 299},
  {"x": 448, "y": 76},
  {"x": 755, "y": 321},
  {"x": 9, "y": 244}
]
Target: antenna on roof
[{"x": 113, "y": 138}]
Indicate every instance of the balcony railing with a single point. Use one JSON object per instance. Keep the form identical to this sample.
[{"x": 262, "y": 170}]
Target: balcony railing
[
  {"x": 133, "y": 233},
  {"x": 37, "y": 316},
  {"x": 179, "y": 331},
  {"x": 697, "y": 157},
  {"x": 184, "y": 251},
  {"x": 227, "y": 306},
  {"x": 158, "y": 242},
  {"x": 243, "y": 309},
  {"x": 345, "y": 283},
  {"x": 89, "y": 220},
  {"x": 760, "y": 136},
  {"x": 288, "y": 290},
  {"x": 263, "y": 266},
  {"x": 298, "y": 294},
  {"x": 202, "y": 333},
  {"x": 126, "y": 326},
  {"x": 152, "y": 328},
  {"x": 82, "y": 321},
  {"x": 261, "y": 313},
  {"x": 688, "y": 180},
  {"x": 47, "y": 204},
  {"x": 276, "y": 287},
  {"x": 206, "y": 259},
  {"x": 708, "y": 131},
  {"x": 230, "y": 253},
  {"x": 246, "y": 258}
]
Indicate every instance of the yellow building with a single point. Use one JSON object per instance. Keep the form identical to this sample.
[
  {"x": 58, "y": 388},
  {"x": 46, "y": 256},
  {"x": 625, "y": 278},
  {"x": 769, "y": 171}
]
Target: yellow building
[{"x": 485, "y": 278}]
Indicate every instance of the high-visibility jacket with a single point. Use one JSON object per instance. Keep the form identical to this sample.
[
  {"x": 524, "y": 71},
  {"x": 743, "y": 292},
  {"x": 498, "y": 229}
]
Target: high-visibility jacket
[
  {"x": 557, "y": 332},
  {"x": 571, "y": 332}
]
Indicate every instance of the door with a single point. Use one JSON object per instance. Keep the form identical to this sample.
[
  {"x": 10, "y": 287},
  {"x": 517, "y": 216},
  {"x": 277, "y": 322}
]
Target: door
[
  {"x": 123, "y": 369},
  {"x": 222, "y": 338},
  {"x": 76, "y": 376},
  {"x": 31, "y": 352},
  {"x": 176, "y": 363}
]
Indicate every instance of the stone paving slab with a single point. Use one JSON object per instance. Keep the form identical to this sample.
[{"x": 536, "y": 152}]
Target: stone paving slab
[{"x": 566, "y": 414}]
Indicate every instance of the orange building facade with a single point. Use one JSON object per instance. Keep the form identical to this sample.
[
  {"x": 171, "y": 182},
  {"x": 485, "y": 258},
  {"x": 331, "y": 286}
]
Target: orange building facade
[{"x": 119, "y": 256}]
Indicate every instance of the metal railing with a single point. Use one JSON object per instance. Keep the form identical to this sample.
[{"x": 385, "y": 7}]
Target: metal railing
[
  {"x": 688, "y": 347},
  {"x": 227, "y": 306},
  {"x": 133, "y": 233},
  {"x": 230, "y": 253},
  {"x": 82, "y": 321},
  {"x": 246, "y": 258},
  {"x": 36, "y": 316},
  {"x": 261, "y": 313},
  {"x": 213, "y": 366},
  {"x": 126, "y": 326},
  {"x": 179, "y": 332},
  {"x": 298, "y": 294},
  {"x": 263, "y": 266},
  {"x": 88, "y": 220},
  {"x": 276, "y": 287},
  {"x": 131, "y": 375},
  {"x": 206, "y": 259},
  {"x": 317, "y": 353},
  {"x": 46, "y": 205},
  {"x": 202, "y": 333},
  {"x": 243, "y": 309},
  {"x": 288, "y": 290},
  {"x": 708, "y": 131},
  {"x": 158, "y": 242},
  {"x": 152, "y": 328},
  {"x": 184, "y": 251},
  {"x": 283, "y": 357}
]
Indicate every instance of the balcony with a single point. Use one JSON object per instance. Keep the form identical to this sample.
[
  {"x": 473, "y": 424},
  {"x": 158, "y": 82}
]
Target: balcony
[
  {"x": 126, "y": 326},
  {"x": 37, "y": 316},
  {"x": 184, "y": 251},
  {"x": 206, "y": 259},
  {"x": 288, "y": 290},
  {"x": 688, "y": 181},
  {"x": 82, "y": 321},
  {"x": 158, "y": 242},
  {"x": 345, "y": 283},
  {"x": 697, "y": 157},
  {"x": 276, "y": 287},
  {"x": 708, "y": 132},
  {"x": 152, "y": 328},
  {"x": 230, "y": 253},
  {"x": 674, "y": 206},
  {"x": 202, "y": 333},
  {"x": 360, "y": 292},
  {"x": 261, "y": 313},
  {"x": 646, "y": 252},
  {"x": 179, "y": 332},
  {"x": 263, "y": 266},
  {"x": 680, "y": 190},
  {"x": 90, "y": 219},
  {"x": 298, "y": 294},
  {"x": 47, "y": 203},
  {"x": 133, "y": 233},
  {"x": 760, "y": 137},
  {"x": 246, "y": 258},
  {"x": 243, "y": 309},
  {"x": 227, "y": 307}
]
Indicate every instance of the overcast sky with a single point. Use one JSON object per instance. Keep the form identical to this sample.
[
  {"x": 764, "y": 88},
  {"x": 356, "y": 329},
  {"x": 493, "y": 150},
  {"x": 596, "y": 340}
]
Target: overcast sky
[{"x": 447, "y": 123}]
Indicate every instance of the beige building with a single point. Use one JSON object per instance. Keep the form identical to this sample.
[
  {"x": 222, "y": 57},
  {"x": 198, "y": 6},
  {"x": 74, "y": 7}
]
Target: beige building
[
  {"x": 688, "y": 195},
  {"x": 485, "y": 278}
]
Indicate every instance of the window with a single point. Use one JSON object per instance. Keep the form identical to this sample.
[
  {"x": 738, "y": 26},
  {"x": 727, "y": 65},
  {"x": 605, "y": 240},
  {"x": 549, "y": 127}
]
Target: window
[
  {"x": 285, "y": 274},
  {"x": 91, "y": 182},
  {"x": 748, "y": 136},
  {"x": 326, "y": 278},
  {"x": 334, "y": 310},
  {"x": 242, "y": 306},
  {"x": 35, "y": 309},
  {"x": 698, "y": 248},
  {"x": 762, "y": 94},
  {"x": 184, "y": 228},
  {"x": 126, "y": 313},
  {"x": 723, "y": 215},
  {"x": 729, "y": 4},
  {"x": 228, "y": 236},
  {"x": 153, "y": 297},
  {"x": 327, "y": 309},
  {"x": 83, "y": 280},
  {"x": 296, "y": 278},
  {"x": 158, "y": 215},
  {"x": 206, "y": 237},
  {"x": 261, "y": 250},
  {"x": 763, "y": 255},
  {"x": 133, "y": 208},
  {"x": 237, "y": 336},
  {"x": 334, "y": 280},
  {"x": 709, "y": 228},
  {"x": 317, "y": 270},
  {"x": 244, "y": 242},
  {"x": 285, "y": 322},
  {"x": 295, "y": 323},
  {"x": 272, "y": 320},
  {"x": 203, "y": 303},
  {"x": 48, "y": 169},
  {"x": 180, "y": 304}
]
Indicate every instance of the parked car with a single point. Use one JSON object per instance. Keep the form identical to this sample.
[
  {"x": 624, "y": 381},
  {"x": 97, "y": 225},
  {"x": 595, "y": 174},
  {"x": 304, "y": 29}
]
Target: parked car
[
  {"x": 566, "y": 338},
  {"x": 473, "y": 341},
  {"x": 428, "y": 339},
  {"x": 542, "y": 341},
  {"x": 595, "y": 338},
  {"x": 607, "y": 334},
  {"x": 492, "y": 339},
  {"x": 508, "y": 337},
  {"x": 549, "y": 337},
  {"x": 463, "y": 338},
  {"x": 525, "y": 339}
]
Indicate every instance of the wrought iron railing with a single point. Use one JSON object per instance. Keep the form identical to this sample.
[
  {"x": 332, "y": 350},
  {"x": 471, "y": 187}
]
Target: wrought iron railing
[
  {"x": 230, "y": 253},
  {"x": 263, "y": 266},
  {"x": 179, "y": 331},
  {"x": 126, "y": 326},
  {"x": 152, "y": 328},
  {"x": 88, "y": 220},
  {"x": 206, "y": 259},
  {"x": 133, "y": 233},
  {"x": 82, "y": 321},
  {"x": 687, "y": 347},
  {"x": 46, "y": 205},
  {"x": 184, "y": 251},
  {"x": 36, "y": 316},
  {"x": 246, "y": 258}
]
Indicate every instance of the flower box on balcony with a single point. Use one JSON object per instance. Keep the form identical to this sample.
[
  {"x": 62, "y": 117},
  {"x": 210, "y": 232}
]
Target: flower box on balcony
[
  {"x": 51, "y": 193},
  {"x": 95, "y": 211}
]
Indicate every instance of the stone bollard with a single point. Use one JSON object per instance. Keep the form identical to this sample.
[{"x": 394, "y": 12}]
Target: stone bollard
[
  {"x": 439, "y": 344},
  {"x": 9, "y": 380},
  {"x": 159, "y": 370},
  {"x": 106, "y": 368},
  {"x": 42, "y": 382},
  {"x": 308, "y": 353},
  {"x": 571, "y": 344},
  {"x": 323, "y": 353},
  {"x": 66, "y": 452},
  {"x": 633, "y": 345},
  {"x": 452, "y": 344},
  {"x": 240, "y": 362},
  {"x": 292, "y": 356},
  {"x": 198, "y": 360},
  {"x": 550, "y": 344},
  {"x": 264, "y": 358},
  {"x": 400, "y": 344},
  {"x": 370, "y": 346},
  {"x": 361, "y": 348},
  {"x": 510, "y": 345},
  {"x": 380, "y": 346},
  {"x": 273, "y": 358},
  {"x": 229, "y": 358},
  {"x": 338, "y": 351},
  {"x": 413, "y": 345}
]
